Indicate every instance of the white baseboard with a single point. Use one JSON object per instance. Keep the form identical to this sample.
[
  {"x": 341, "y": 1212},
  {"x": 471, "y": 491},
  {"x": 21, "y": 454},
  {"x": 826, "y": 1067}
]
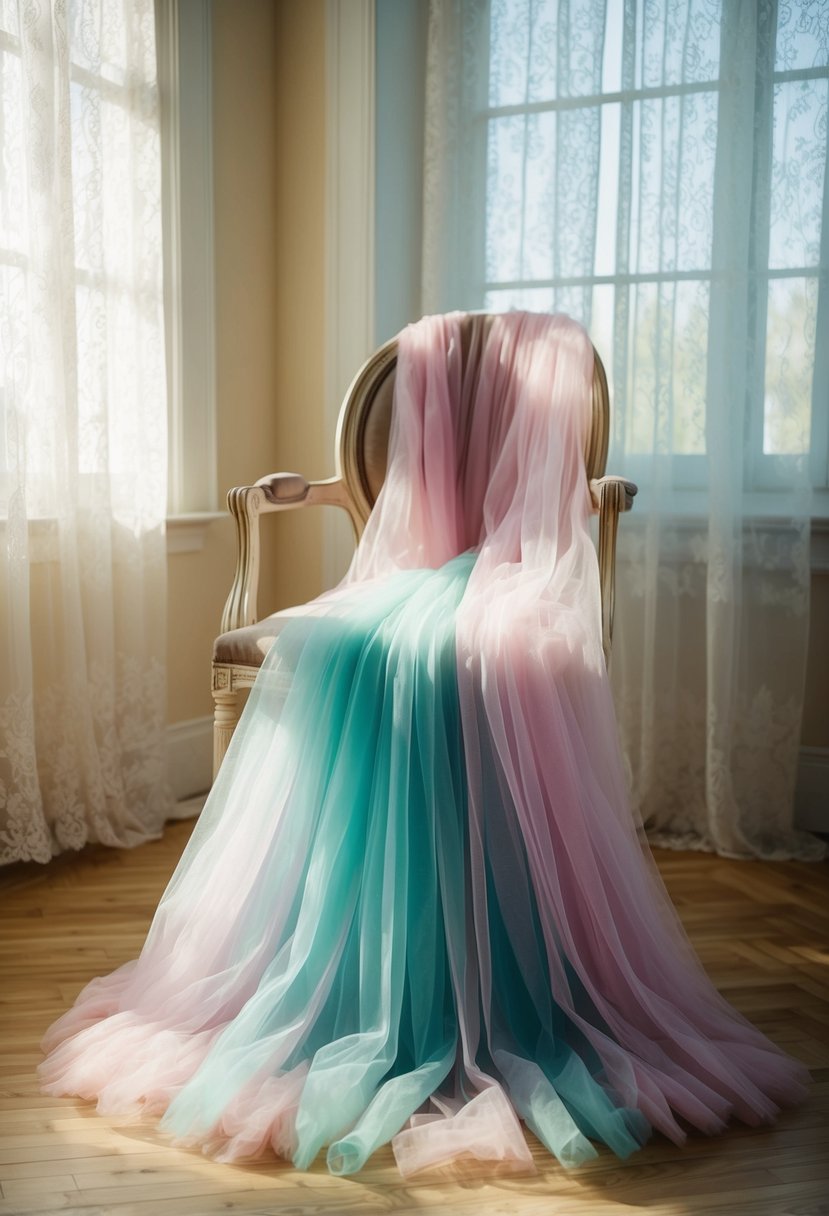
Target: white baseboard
[
  {"x": 190, "y": 756},
  {"x": 188, "y": 808},
  {"x": 812, "y": 793}
]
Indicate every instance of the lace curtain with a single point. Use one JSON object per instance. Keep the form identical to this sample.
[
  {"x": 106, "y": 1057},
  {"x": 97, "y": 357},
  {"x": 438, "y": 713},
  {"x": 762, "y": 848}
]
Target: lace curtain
[
  {"x": 82, "y": 428},
  {"x": 657, "y": 170}
]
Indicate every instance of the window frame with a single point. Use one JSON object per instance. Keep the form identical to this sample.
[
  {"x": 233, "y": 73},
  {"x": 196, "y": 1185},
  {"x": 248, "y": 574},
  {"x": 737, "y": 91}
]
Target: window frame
[
  {"x": 184, "y": 52},
  {"x": 768, "y": 488}
]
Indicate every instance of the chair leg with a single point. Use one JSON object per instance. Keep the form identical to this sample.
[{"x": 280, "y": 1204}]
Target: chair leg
[{"x": 225, "y": 717}]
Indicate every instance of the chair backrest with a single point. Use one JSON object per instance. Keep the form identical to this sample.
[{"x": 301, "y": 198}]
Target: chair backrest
[{"x": 365, "y": 417}]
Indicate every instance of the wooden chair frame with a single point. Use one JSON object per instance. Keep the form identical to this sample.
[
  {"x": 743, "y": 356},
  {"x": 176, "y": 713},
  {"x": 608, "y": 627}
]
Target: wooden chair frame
[{"x": 350, "y": 489}]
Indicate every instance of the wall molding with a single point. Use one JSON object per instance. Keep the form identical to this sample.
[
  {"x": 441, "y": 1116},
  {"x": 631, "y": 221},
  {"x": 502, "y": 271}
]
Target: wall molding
[
  {"x": 819, "y": 547},
  {"x": 812, "y": 790},
  {"x": 190, "y": 756},
  {"x": 349, "y": 290},
  {"x": 187, "y": 533},
  {"x": 685, "y": 528}
]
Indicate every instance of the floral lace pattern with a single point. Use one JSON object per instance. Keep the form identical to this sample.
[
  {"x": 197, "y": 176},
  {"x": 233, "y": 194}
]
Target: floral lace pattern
[{"x": 82, "y": 429}]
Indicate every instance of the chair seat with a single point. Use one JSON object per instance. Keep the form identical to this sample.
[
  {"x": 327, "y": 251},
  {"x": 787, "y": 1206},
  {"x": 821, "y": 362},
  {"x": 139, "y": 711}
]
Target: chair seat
[{"x": 248, "y": 645}]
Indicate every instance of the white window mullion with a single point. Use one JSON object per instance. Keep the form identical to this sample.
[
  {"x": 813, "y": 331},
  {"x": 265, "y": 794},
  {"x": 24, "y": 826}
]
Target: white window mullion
[
  {"x": 455, "y": 165},
  {"x": 820, "y": 382},
  {"x": 760, "y": 218},
  {"x": 728, "y": 331},
  {"x": 350, "y": 199},
  {"x": 621, "y": 322},
  {"x": 183, "y": 40}
]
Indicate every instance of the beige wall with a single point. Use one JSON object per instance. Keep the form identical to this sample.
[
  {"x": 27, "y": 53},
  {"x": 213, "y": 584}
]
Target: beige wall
[{"x": 269, "y": 173}]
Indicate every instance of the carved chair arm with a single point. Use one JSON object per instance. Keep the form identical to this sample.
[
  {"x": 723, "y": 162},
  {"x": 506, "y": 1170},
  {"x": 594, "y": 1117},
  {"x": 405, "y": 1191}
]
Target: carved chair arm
[
  {"x": 275, "y": 492},
  {"x": 289, "y": 491},
  {"x": 611, "y": 496},
  {"x": 629, "y": 488}
]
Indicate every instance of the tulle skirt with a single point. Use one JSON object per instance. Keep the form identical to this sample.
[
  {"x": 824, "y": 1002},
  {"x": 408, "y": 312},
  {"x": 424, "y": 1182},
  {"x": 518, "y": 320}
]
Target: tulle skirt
[{"x": 361, "y": 943}]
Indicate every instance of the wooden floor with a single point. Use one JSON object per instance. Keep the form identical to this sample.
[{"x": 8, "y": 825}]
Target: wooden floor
[{"x": 762, "y": 931}]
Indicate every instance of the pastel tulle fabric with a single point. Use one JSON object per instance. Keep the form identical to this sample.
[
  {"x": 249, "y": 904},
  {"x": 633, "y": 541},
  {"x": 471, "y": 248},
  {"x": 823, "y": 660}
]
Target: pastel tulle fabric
[{"x": 416, "y": 907}]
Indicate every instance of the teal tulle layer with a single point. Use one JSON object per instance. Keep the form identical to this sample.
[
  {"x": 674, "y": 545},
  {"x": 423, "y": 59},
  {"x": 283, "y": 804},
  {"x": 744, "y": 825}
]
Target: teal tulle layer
[{"x": 377, "y": 925}]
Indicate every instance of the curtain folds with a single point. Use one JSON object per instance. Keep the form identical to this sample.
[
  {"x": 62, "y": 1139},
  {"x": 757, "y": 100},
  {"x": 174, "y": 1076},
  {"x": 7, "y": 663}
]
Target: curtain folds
[
  {"x": 658, "y": 172},
  {"x": 82, "y": 430}
]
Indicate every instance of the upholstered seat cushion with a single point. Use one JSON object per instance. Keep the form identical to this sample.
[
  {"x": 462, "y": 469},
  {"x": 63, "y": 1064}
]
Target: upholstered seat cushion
[{"x": 250, "y": 644}]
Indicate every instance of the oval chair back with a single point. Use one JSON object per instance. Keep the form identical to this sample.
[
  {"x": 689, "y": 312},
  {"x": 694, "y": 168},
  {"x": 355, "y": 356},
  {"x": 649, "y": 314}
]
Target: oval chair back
[{"x": 365, "y": 418}]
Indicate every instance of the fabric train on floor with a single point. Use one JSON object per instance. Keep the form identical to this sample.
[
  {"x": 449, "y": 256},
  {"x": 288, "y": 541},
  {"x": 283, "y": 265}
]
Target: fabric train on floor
[{"x": 417, "y": 907}]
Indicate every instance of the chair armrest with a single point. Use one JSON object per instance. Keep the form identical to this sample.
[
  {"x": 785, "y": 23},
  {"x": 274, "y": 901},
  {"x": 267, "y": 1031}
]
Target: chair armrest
[
  {"x": 284, "y": 489},
  {"x": 275, "y": 492},
  {"x": 611, "y": 496},
  {"x": 629, "y": 487}
]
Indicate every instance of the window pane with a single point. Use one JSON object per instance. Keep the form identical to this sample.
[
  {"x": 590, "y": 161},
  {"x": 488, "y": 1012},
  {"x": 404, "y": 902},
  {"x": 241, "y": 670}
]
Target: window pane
[
  {"x": 676, "y": 43},
  {"x": 790, "y": 355},
  {"x": 674, "y": 149},
  {"x": 14, "y": 354},
  {"x": 13, "y": 201},
  {"x": 118, "y": 370},
  {"x": 688, "y": 329},
  {"x": 104, "y": 38},
  {"x": 507, "y": 145},
  {"x": 798, "y": 167},
  {"x": 541, "y": 195},
  {"x": 8, "y": 17},
  {"x": 87, "y": 172},
  {"x": 29, "y": 440},
  {"x": 93, "y": 390},
  {"x": 802, "y": 34},
  {"x": 105, "y": 203},
  {"x": 605, "y": 260},
  {"x": 664, "y": 393},
  {"x": 541, "y": 49},
  {"x": 639, "y": 389},
  {"x": 613, "y": 47}
]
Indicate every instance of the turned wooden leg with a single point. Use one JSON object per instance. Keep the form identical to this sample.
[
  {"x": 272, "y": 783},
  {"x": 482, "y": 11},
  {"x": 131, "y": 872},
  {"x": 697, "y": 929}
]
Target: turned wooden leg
[{"x": 225, "y": 717}]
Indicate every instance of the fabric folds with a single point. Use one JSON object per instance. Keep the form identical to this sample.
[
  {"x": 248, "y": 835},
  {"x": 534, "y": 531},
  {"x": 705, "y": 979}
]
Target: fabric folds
[{"x": 416, "y": 907}]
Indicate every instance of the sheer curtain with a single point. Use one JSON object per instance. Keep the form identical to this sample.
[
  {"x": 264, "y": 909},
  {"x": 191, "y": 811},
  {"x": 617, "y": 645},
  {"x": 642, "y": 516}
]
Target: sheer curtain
[
  {"x": 82, "y": 429},
  {"x": 657, "y": 170}
]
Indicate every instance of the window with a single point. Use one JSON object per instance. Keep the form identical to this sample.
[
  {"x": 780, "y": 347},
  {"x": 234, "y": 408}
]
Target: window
[
  {"x": 81, "y": 364},
  {"x": 659, "y": 172},
  {"x": 107, "y": 93}
]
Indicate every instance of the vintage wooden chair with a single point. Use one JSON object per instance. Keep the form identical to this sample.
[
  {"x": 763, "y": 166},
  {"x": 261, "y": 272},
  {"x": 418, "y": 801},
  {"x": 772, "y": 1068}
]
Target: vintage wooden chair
[{"x": 360, "y": 459}]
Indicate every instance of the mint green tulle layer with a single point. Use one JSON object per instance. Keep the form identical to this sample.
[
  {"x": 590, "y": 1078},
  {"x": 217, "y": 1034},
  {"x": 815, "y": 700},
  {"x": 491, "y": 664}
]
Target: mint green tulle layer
[{"x": 374, "y": 999}]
